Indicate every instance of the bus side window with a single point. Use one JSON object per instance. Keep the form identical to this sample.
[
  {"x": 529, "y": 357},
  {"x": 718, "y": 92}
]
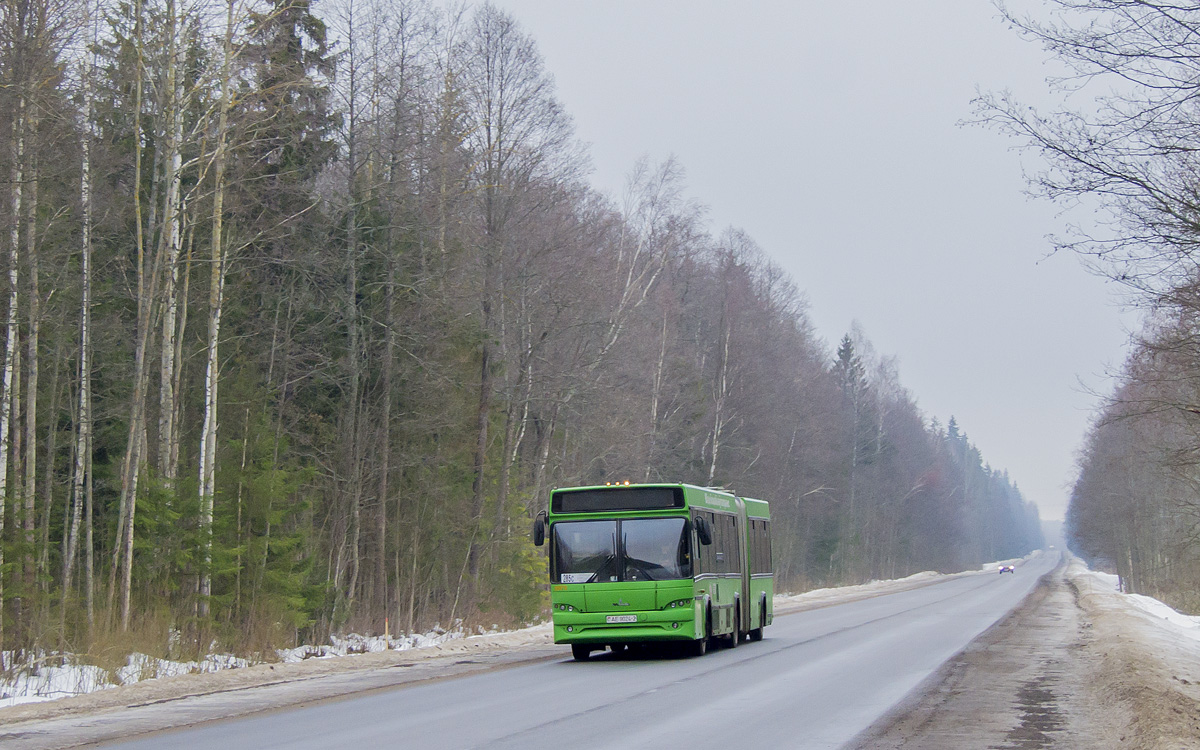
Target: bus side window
[
  {"x": 754, "y": 547},
  {"x": 726, "y": 545},
  {"x": 767, "y": 541},
  {"x": 716, "y": 562},
  {"x": 760, "y": 547},
  {"x": 766, "y": 547},
  {"x": 727, "y": 563},
  {"x": 735, "y": 555}
]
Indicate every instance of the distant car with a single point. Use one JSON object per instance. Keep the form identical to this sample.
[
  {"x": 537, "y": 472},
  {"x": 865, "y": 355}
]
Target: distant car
[{"x": 1007, "y": 569}]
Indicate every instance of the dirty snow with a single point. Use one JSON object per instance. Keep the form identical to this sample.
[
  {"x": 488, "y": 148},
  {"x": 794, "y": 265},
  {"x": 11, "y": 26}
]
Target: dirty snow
[
  {"x": 38, "y": 680},
  {"x": 1148, "y": 665},
  {"x": 47, "y": 676},
  {"x": 1177, "y": 623}
]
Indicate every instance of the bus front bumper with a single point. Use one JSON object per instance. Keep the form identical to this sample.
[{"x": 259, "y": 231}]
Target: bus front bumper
[{"x": 604, "y": 627}]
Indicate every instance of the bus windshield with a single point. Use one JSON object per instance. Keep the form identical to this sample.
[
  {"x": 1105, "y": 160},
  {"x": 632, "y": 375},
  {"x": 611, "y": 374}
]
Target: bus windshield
[{"x": 650, "y": 549}]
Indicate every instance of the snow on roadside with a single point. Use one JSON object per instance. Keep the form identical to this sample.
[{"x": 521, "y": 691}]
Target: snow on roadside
[
  {"x": 1149, "y": 660},
  {"x": 840, "y": 593},
  {"x": 365, "y": 644},
  {"x": 1154, "y": 612},
  {"x": 820, "y": 597},
  {"x": 36, "y": 681},
  {"x": 45, "y": 683}
]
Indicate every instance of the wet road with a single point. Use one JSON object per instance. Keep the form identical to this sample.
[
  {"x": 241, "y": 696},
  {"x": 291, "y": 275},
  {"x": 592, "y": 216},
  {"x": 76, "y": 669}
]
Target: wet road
[{"x": 818, "y": 679}]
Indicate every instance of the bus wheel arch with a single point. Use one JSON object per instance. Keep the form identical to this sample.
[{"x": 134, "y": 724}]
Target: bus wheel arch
[
  {"x": 757, "y": 633},
  {"x": 736, "y": 634},
  {"x": 699, "y": 646}
]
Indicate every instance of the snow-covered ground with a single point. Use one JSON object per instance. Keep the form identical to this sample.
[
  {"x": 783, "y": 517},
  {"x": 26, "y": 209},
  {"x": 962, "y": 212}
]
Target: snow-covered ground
[
  {"x": 47, "y": 676},
  {"x": 1146, "y": 662},
  {"x": 1157, "y": 616}
]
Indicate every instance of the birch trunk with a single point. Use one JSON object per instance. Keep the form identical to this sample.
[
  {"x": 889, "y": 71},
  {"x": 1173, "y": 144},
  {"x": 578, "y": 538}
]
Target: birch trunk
[
  {"x": 29, "y": 515},
  {"x": 352, "y": 356},
  {"x": 385, "y": 441},
  {"x": 543, "y": 454},
  {"x": 43, "y": 563},
  {"x": 84, "y": 419},
  {"x": 135, "y": 446},
  {"x": 655, "y": 397},
  {"x": 514, "y": 428},
  {"x": 10, "y": 346},
  {"x": 722, "y": 391},
  {"x": 172, "y": 237},
  {"x": 208, "y": 436}
]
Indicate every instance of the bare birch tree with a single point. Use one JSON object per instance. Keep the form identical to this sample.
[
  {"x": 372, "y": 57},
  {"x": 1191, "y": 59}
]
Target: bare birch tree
[
  {"x": 208, "y": 434},
  {"x": 81, "y": 474}
]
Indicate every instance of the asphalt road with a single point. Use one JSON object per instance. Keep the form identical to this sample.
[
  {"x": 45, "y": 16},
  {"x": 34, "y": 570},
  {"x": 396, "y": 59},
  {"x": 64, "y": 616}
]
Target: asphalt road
[{"x": 818, "y": 679}]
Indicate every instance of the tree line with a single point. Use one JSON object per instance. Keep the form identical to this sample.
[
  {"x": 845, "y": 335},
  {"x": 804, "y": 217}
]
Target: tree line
[
  {"x": 307, "y": 313},
  {"x": 1129, "y": 150}
]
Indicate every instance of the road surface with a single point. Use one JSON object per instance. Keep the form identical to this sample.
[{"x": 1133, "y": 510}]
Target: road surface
[{"x": 818, "y": 679}]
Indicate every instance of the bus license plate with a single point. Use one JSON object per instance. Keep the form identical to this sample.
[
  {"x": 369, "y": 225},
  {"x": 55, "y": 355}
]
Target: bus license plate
[{"x": 621, "y": 618}]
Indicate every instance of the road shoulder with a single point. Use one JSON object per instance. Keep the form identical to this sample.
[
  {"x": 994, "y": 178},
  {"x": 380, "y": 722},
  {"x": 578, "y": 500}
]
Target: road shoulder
[{"x": 1063, "y": 670}]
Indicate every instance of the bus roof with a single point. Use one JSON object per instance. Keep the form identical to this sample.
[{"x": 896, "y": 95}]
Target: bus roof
[
  {"x": 757, "y": 508},
  {"x": 712, "y": 498}
]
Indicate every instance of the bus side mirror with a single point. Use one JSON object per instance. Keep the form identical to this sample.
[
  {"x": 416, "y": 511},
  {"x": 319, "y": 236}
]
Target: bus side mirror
[
  {"x": 539, "y": 529},
  {"x": 703, "y": 530}
]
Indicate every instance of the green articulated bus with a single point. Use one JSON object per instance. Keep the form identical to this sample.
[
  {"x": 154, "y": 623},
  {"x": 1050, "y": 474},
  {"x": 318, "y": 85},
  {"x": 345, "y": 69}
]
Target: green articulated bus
[{"x": 654, "y": 563}]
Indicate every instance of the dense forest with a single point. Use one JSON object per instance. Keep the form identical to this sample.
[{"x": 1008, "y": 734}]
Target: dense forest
[
  {"x": 308, "y": 312},
  {"x": 1130, "y": 151}
]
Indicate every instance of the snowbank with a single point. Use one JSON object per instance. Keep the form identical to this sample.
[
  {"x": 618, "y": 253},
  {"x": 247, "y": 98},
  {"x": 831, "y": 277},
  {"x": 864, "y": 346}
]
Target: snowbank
[
  {"x": 1154, "y": 613},
  {"x": 37, "y": 679},
  {"x": 48, "y": 676},
  {"x": 1151, "y": 660}
]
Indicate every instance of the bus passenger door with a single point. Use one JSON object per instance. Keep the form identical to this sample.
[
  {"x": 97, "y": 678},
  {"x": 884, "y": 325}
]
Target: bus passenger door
[{"x": 741, "y": 530}]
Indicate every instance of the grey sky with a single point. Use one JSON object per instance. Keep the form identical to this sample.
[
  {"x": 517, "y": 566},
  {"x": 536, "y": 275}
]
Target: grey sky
[{"x": 829, "y": 132}]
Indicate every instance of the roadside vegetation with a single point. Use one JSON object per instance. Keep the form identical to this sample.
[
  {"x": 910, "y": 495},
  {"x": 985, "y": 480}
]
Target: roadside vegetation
[
  {"x": 307, "y": 309},
  {"x": 1126, "y": 144}
]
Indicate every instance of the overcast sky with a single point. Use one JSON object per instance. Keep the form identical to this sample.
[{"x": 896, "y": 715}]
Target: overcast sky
[{"x": 830, "y": 132}]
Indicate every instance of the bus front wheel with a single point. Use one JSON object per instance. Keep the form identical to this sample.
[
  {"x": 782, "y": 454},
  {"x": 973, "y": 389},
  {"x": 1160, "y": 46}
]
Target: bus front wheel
[{"x": 580, "y": 651}]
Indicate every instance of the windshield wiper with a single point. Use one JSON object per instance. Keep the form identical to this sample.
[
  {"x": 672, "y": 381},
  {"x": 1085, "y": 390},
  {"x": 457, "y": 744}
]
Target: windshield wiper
[{"x": 607, "y": 561}]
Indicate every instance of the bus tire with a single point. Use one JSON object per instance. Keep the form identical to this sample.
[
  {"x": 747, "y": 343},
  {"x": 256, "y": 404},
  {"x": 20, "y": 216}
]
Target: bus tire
[
  {"x": 757, "y": 633},
  {"x": 580, "y": 651},
  {"x": 736, "y": 635}
]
